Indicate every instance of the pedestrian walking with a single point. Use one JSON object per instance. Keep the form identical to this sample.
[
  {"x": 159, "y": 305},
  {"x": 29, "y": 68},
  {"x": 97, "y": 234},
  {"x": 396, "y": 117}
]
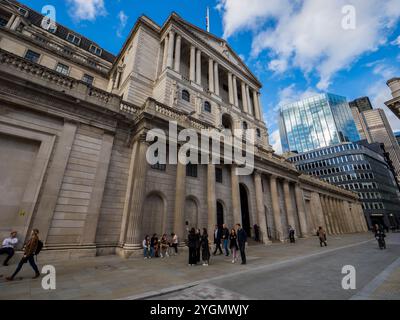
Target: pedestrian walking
[
  {"x": 233, "y": 245},
  {"x": 8, "y": 247},
  {"x": 174, "y": 243},
  {"x": 242, "y": 239},
  {"x": 32, "y": 247},
  {"x": 205, "y": 248},
  {"x": 291, "y": 235},
  {"x": 217, "y": 240},
  {"x": 146, "y": 247},
  {"x": 322, "y": 236},
  {"x": 225, "y": 238},
  {"x": 192, "y": 242}
]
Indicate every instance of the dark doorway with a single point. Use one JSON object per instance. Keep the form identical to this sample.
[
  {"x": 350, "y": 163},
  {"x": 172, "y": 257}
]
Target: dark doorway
[
  {"x": 220, "y": 214},
  {"x": 244, "y": 205}
]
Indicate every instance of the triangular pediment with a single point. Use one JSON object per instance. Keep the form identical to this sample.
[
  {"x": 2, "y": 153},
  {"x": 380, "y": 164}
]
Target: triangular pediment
[{"x": 220, "y": 45}]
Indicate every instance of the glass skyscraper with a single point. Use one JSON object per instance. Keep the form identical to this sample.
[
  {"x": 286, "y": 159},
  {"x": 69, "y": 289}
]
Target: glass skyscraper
[{"x": 319, "y": 121}]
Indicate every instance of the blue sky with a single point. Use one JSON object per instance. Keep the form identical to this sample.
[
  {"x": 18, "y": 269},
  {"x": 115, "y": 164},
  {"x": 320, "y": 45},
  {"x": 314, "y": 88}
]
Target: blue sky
[{"x": 295, "y": 47}]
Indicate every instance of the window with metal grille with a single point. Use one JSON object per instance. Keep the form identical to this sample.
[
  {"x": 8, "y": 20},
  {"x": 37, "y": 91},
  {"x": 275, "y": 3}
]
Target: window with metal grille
[
  {"x": 191, "y": 170},
  {"x": 62, "y": 68},
  {"x": 32, "y": 56},
  {"x": 218, "y": 175},
  {"x": 185, "y": 95},
  {"x": 88, "y": 79}
]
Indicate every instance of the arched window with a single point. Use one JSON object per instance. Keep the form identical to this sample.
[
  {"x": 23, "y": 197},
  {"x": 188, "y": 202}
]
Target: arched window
[
  {"x": 186, "y": 95},
  {"x": 207, "y": 106},
  {"x": 258, "y": 131},
  {"x": 244, "y": 125}
]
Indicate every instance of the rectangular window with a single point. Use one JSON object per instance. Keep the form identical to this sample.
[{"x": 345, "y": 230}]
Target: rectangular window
[
  {"x": 88, "y": 79},
  {"x": 95, "y": 50},
  {"x": 218, "y": 175},
  {"x": 191, "y": 170},
  {"x": 32, "y": 56},
  {"x": 62, "y": 68},
  {"x": 73, "y": 39}
]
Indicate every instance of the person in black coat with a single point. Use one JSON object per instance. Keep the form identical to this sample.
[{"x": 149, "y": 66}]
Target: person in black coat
[
  {"x": 192, "y": 244},
  {"x": 205, "y": 248},
  {"x": 198, "y": 244},
  {"x": 233, "y": 244},
  {"x": 217, "y": 240},
  {"x": 242, "y": 239}
]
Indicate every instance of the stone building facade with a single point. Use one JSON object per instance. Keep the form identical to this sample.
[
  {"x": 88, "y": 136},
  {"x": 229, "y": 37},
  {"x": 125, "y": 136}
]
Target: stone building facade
[{"x": 73, "y": 123}]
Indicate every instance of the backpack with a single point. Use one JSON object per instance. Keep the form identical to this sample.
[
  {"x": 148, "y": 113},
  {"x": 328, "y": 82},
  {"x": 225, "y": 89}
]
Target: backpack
[{"x": 39, "y": 247}]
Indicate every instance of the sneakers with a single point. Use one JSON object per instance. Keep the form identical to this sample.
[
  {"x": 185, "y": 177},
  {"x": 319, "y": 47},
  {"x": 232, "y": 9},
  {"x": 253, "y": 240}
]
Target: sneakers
[{"x": 205, "y": 264}]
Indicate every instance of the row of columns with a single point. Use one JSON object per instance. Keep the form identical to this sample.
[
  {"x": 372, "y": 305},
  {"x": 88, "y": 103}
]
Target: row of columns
[
  {"x": 172, "y": 60},
  {"x": 336, "y": 215}
]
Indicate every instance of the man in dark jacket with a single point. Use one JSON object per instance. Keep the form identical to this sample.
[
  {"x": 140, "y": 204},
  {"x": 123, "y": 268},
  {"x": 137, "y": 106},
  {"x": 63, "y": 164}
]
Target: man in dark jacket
[
  {"x": 242, "y": 239},
  {"x": 217, "y": 240}
]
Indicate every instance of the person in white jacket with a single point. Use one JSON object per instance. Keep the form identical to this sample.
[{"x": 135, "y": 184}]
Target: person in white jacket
[{"x": 8, "y": 247}]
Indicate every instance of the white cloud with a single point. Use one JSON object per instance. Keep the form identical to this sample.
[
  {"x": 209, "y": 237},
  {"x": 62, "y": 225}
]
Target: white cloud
[
  {"x": 278, "y": 65},
  {"x": 86, "y": 9},
  {"x": 308, "y": 34},
  {"x": 291, "y": 94},
  {"x": 396, "y": 42},
  {"x": 275, "y": 141},
  {"x": 123, "y": 19}
]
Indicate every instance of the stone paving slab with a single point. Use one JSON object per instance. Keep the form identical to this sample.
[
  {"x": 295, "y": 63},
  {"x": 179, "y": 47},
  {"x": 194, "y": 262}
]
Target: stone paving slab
[{"x": 112, "y": 277}]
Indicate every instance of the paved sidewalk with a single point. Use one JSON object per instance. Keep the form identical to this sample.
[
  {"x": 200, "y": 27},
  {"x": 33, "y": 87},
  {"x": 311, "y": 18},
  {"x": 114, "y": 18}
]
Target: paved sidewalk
[{"x": 112, "y": 277}]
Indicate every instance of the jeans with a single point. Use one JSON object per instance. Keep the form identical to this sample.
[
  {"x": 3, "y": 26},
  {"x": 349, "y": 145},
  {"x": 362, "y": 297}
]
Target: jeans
[
  {"x": 31, "y": 260},
  {"x": 146, "y": 253},
  {"x": 9, "y": 252},
  {"x": 226, "y": 241},
  {"x": 175, "y": 246},
  {"x": 152, "y": 252}
]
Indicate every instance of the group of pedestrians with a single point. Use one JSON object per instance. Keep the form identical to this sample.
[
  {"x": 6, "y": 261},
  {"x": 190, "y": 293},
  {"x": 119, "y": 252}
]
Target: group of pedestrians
[
  {"x": 232, "y": 241},
  {"x": 31, "y": 249},
  {"x": 160, "y": 248}
]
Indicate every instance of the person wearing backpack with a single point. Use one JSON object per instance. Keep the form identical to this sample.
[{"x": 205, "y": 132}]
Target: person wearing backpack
[{"x": 32, "y": 248}]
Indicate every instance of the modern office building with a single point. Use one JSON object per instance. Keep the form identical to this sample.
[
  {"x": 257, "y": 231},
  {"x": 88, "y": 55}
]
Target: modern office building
[
  {"x": 362, "y": 104},
  {"x": 316, "y": 122},
  {"x": 359, "y": 167},
  {"x": 397, "y": 135},
  {"x": 394, "y": 104},
  {"x": 373, "y": 126}
]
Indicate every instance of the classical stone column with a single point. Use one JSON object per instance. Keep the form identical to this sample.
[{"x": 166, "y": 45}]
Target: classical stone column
[
  {"x": 256, "y": 106},
  {"x": 211, "y": 199},
  {"x": 216, "y": 78},
  {"x": 334, "y": 216},
  {"x": 230, "y": 88},
  {"x": 165, "y": 55},
  {"x": 236, "y": 209},
  {"x": 171, "y": 42},
  {"x": 288, "y": 204},
  {"x": 244, "y": 98},
  {"x": 345, "y": 217},
  {"x": 192, "y": 63},
  {"x": 262, "y": 221},
  {"x": 327, "y": 218},
  {"x": 211, "y": 75},
  {"x": 249, "y": 105},
  {"x": 198, "y": 67},
  {"x": 180, "y": 195},
  {"x": 235, "y": 93},
  {"x": 259, "y": 106},
  {"x": 178, "y": 46},
  {"x": 133, "y": 232},
  {"x": 276, "y": 209},
  {"x": 301, "y": 211}
]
